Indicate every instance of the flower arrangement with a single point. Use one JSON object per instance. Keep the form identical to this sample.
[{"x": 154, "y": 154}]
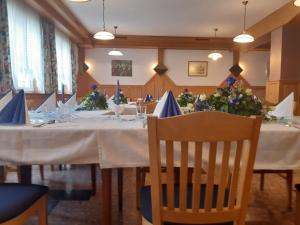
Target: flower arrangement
[
  {"x": 123, "y": 98},
  {"x": 93, "y": 100},
  {"x": 186, "y": 98},
  {"x": 232, "y": 99}
]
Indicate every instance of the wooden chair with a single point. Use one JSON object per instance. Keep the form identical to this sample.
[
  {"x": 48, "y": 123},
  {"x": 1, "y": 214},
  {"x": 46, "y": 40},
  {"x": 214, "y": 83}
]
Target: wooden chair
[
  {"x": 19, "y": 202},
  {"x": 150, "y": 106},
  {"x": 222, "y": 198}
]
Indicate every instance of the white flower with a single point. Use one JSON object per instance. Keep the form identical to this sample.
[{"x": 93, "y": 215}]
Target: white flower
[
  {"x": 248, "y": 91},
  {"x": 202, "y": 97},
  {"x": 190, "y": 106},
  {"x": 217, "y": 94}
]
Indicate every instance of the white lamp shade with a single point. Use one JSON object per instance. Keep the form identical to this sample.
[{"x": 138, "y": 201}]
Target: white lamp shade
[
  {"x": 115, "y": 53},
  {"x": 104, "y": 35},
  {"x": 297, "y": 3},
  {"x": 215, "y": 56},
  {"x": 244, "y": 38}
]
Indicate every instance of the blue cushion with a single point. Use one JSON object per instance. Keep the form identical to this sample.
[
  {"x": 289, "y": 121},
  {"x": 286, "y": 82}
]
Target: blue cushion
[
  {"x": 146, "y": 209},
  {"x": 16, "y": 198}
]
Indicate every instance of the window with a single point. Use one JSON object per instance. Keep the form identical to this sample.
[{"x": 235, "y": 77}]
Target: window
[
  {"x": 26, "y": 54},
  {"x": 64, "y": 65}
]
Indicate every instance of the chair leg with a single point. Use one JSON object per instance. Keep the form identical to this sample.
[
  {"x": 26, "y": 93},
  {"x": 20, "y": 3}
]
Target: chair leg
[
  {"x": 289, "y": 182},
  {"x": 93, "y": 179},
  {"x": 43, "y": 212},
  {"x": 297, "y": 210},
  {"x": 42, "y": 172},
  {"x": 2, "y": 174},
  {"x": 262, "y": 180},
  {"x": 120, "y": 188}
]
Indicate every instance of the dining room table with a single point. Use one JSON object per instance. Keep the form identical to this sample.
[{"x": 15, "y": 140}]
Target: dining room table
[{"x": 97, "y": 137}]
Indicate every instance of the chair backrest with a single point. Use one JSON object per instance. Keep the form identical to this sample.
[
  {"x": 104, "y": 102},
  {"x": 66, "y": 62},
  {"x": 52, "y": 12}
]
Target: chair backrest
[
  {"x": 222, "y": 141},
  {"x": 150, "y": 106}
]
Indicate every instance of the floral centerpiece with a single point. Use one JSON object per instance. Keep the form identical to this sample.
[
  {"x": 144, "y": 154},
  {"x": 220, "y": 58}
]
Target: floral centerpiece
[
  {"x": 122, "y": 97},
  {"x": 93, "y": 100},
  {"x": 232, "y": 99},
  {"x": 186, "y": 98},
  {"x": 186, "y": 101}
]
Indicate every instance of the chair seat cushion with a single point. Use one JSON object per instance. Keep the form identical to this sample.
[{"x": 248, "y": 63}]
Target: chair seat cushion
[
  {"x": 146, "y": 209},
  {"x": 16, "y": 198}
]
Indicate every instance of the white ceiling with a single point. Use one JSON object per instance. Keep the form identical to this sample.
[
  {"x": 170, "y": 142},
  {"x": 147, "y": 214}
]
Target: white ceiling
[{"x": 173, "y": 17}]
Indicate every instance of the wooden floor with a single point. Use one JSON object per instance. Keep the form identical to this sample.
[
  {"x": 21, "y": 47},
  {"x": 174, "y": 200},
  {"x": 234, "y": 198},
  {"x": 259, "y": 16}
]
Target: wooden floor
[{"x": 266, "y": 208}]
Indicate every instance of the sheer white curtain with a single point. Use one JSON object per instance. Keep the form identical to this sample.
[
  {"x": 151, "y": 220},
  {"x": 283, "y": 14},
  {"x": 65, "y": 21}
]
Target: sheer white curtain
[
  {"x": 25, "y": 47},
  {"x": 64, "y": 65}
]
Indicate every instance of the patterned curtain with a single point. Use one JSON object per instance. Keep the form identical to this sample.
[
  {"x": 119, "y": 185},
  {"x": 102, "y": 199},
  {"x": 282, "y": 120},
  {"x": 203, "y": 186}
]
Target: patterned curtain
[
  {"x": 50, "y": 60},
  {"x": 74, "y": 61},
  {"x": 6, "y": 82}
]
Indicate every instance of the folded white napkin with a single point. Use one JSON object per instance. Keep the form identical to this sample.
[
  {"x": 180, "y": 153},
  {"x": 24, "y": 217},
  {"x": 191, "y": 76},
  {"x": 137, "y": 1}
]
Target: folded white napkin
[
  {"x": 72, "y": 103},
  {"x": 49, "y": 105},
  {"x": 5, "y": 99},
  {"x": 285, "y": 109}
]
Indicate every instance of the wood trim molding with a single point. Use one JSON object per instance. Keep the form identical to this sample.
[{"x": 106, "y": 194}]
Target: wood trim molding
[
  {"x": 275, "y": 20},
  {"x": 262, "y": 43},
  {"x": 163, "y": 42},
  {"x": 63, "y": 18},
  {"x": 70, "y": 17}
]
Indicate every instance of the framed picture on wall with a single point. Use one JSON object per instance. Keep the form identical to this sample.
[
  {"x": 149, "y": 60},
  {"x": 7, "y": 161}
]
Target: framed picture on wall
[
  {"x": 197, "y": 68},
  {"x": 121, "y": 68}
]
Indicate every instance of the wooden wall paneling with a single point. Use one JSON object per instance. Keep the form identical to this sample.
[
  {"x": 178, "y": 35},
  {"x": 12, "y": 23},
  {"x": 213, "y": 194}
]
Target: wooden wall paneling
[{"x": 272, "y": 92}]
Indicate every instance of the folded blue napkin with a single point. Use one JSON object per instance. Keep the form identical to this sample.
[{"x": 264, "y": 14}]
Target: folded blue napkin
[
  {"x": 15, "y": 111},
  {"x": 148, "y": 98},
  {"x": 170, "y": 107}
]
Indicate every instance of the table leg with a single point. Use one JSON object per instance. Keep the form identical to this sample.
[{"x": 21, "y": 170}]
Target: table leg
[
  {"x": 24, "y": 173},
  {"x": 120, "y": 188},
  {"x": 106, "y": 196},
  {"x": 93, "y": 178}
]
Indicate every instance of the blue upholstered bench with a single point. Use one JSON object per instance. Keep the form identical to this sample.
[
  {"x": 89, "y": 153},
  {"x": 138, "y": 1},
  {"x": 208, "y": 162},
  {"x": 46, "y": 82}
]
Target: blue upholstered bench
[{"x": 19, "y": 200}]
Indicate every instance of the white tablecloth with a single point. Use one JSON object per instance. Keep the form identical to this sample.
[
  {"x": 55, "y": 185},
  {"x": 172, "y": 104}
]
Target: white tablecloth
[{"x": 122, "y": 142}]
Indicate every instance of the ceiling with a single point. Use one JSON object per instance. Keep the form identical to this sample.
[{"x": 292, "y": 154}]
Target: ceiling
[{"x": 195, "y": 18}]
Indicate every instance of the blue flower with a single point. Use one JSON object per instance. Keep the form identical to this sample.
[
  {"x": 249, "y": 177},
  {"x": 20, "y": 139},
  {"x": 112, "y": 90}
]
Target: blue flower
[
  {"x": 230, "y": 81},
  {"x": 94, "y": 87}
]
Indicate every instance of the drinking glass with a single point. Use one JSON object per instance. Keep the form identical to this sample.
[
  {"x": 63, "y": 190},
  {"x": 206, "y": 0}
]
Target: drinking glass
[{"x": 141, "y": 113}]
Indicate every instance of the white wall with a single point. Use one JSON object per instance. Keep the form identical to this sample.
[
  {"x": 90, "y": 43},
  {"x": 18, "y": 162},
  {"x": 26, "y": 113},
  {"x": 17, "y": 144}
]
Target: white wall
[
  {"x": 143, "y": 62},
  {"x": 177, "y": 63},
  {"x": 255, "y": 65}
]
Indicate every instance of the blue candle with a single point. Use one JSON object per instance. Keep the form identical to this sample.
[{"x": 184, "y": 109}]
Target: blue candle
[
  {"x": 63, "y": 93},
  {"x": 118, "y": 93}
]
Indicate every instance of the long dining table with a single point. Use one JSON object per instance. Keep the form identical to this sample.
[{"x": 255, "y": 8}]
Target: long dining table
[{"x": 121, "y": 142}]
